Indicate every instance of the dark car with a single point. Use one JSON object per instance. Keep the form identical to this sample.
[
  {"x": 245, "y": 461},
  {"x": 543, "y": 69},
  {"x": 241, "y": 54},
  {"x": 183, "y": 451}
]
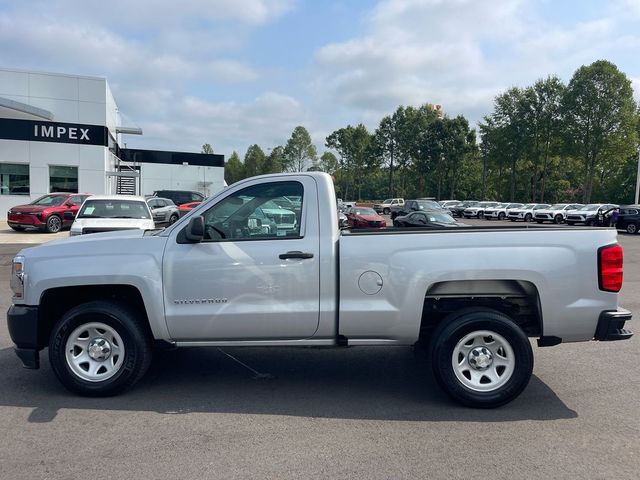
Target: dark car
[
  {"x": 415, "y": 206},
  {"x": 457, "y": 210},
  {"x": 363, "y": 217},
  {"x": 629, "y": 218},
  {"x": 179, "y": 197},
  {"x": 49, "y": 213},
  {"x": 426, "y": 219}
]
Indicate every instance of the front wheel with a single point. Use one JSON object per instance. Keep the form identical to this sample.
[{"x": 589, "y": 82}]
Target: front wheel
[
  {"x": 528, "y": 217},
  {"x": 481, "y": 358},
  {"x": 173, "y": 219},
  {"x": 558, "y": 219},
  {"x": 99, "y": 348},
  {"x": 501, "y": 216},
  {"x": 54, "y": 224}
]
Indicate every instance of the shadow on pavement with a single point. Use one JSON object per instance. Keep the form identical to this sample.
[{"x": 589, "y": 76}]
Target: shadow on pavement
[{"x": 391, "y": 383}]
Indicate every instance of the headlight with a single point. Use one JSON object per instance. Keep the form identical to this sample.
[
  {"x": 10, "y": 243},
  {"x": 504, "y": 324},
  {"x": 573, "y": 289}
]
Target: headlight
[{"x": 17, "y": 277}]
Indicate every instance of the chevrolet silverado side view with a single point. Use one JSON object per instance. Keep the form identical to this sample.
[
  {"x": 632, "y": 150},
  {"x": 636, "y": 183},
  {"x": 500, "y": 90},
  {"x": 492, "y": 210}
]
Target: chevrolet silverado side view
[{"x": 474, "y": 296}]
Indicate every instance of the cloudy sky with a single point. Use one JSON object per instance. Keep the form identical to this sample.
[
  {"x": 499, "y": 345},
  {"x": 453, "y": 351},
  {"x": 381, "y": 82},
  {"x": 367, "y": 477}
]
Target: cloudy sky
[{"x": 237, "y": 72}]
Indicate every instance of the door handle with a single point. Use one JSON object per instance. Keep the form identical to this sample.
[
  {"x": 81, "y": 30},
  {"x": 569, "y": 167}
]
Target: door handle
[{"x": 295, "y": 254}]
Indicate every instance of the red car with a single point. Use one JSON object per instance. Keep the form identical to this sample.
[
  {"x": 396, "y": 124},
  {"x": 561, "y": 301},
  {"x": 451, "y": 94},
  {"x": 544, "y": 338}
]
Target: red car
[
  {"x": 362, "y": 217},
  {"x": 187, "y": 207},
  {"x": 49, "y": 213}
]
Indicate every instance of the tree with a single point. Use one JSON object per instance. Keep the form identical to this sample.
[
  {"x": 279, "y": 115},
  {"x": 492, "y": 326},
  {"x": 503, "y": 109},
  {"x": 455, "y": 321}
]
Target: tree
[
  {"x": 328, "y": 163},
  {"x": 600, "y": 122},
  {"x": 207, "y": 148},
  {"x": 300, "y": 152},
  {"x": 274, "y": 161},
  {"x": 233, "y": 169},
  {"x": 353, "y": 144},
  {"x": 254, "y": 161}
]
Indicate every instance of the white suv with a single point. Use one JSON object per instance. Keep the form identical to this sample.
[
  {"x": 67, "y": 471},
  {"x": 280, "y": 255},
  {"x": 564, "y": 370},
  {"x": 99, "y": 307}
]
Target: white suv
[
  {"x": 385, "y": 207},
  {"x": 556, "y": 213}
]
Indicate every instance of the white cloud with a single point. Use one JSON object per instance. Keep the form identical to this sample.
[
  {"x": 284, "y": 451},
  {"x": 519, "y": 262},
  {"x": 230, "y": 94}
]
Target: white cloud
[{"x": 460, "y": 53}]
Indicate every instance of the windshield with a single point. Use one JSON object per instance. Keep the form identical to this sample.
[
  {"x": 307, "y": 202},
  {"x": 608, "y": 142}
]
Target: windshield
[
  {"x": 593, "y": 206},
  {"x": 439, "y": 217},
  {"x": 114, "y": 209},
  {"x": 388, "y": 200},
  {"x": 364, "y": 211},
  {"x": 428, "y": 204},
  {"x": 50, "y": 200}
]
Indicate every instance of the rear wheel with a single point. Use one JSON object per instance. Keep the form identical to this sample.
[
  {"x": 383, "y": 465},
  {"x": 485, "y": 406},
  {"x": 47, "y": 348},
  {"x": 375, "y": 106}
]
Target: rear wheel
[
  {"x": 99, "y": 349},
  {"x": 632, "y": 228},
  {"x": 54, "y": 224},
  {"x": 481, "y": 358}
]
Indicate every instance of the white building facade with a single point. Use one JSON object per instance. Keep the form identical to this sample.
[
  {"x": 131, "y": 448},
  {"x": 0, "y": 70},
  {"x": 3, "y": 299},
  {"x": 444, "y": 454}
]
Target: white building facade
[{"x": 63, "y": 133}]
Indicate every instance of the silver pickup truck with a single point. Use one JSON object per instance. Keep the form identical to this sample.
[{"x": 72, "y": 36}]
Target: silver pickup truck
[{"x": 473, "y": 296}]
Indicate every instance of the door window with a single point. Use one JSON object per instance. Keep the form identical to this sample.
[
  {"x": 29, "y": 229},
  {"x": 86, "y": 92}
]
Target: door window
[{"x": 256, "y": 213}]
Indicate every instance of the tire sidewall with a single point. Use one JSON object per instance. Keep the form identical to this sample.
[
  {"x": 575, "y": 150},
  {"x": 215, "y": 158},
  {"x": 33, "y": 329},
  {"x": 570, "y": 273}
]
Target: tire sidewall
[
  {"x": 445, "y": 340},
  {"x": 632, "y": 228},
  {"x": 131, "y": 339}
]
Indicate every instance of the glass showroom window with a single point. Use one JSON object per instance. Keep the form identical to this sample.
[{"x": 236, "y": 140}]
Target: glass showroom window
[
  {"x": 63, "y": 179},
  {"x": 14, "y": 179}
]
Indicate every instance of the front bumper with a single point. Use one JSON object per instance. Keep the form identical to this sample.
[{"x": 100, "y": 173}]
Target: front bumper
[
  {"x": 611, "y": 326},
  {"x": 25, "y": 220},
  {"x": 24, "y": 330}
]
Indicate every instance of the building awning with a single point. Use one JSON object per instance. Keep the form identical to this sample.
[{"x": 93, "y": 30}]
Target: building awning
[{"x": 25, "y": 108}]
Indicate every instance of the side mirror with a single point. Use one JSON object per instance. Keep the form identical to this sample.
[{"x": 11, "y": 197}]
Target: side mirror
[{"x": 194, "y": 233}]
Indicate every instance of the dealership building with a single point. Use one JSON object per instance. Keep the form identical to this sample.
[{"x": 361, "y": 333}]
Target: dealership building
[{"x": 64, "y": 133}]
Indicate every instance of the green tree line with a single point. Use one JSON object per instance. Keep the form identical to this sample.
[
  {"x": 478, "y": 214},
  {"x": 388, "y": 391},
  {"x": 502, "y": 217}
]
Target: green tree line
[{"x": 547, "y": 142}]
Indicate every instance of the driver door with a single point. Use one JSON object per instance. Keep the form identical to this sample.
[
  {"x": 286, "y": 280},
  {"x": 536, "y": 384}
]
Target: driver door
[{"x": 256, "y": 275}]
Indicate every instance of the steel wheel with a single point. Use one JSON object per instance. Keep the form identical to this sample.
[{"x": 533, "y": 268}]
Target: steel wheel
[
  {"x": 483, "y": 361},
  {"x": 54, "y": 224},
  {"x": 94, "y": 352}
]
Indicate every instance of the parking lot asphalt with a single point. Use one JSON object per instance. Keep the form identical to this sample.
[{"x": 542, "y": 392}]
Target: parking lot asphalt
[{"x": 326, "y": 413}]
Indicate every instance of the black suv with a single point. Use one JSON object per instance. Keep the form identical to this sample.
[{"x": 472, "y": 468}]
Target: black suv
[
  {"x": 629, "y": 218},
  {"x": 179, "y": 196},
  {"x": 413, "y": 206}
]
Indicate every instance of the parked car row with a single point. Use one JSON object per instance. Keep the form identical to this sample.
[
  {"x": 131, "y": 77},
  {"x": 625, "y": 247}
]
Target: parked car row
[{"x": 87, "y": 213}]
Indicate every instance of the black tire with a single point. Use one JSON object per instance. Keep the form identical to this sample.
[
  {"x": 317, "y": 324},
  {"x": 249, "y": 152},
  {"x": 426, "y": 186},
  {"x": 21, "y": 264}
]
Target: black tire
[
  {"x": 480, "y": 215},
  {"x": 17, "y": 228},
  {"x": 631, "y": 228},
  {"x": 53, "y": 225},
  {"x": 501, "y": 216},
  {"x": 173, "y": 219},
  {"x": 453, "y": 329},
  {"x": 127, "y": 323},
  {"x": 386, "y": 211},
  {"x": 571, "y": 224},
  {"x": 528, "y": 217},
  {"x": 558, "y": 219}
]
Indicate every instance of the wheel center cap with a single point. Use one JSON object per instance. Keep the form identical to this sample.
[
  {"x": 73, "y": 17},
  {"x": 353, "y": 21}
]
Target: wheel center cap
[
  {"x": 480, "y": 358},
  {"x": 99, "y": 349}
]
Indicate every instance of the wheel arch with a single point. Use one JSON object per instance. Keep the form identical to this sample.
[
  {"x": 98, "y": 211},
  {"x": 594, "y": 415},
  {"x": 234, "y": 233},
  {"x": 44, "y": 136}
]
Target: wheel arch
[
  {"x": 518, "y": 299},
  {"x": 55, "y": 302}
]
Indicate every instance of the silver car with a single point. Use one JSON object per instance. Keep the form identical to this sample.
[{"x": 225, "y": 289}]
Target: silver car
[{"x": 163, "y": 210}]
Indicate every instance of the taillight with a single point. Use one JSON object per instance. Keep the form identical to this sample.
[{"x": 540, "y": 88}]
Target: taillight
[{"x": 610, "y": 268}]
